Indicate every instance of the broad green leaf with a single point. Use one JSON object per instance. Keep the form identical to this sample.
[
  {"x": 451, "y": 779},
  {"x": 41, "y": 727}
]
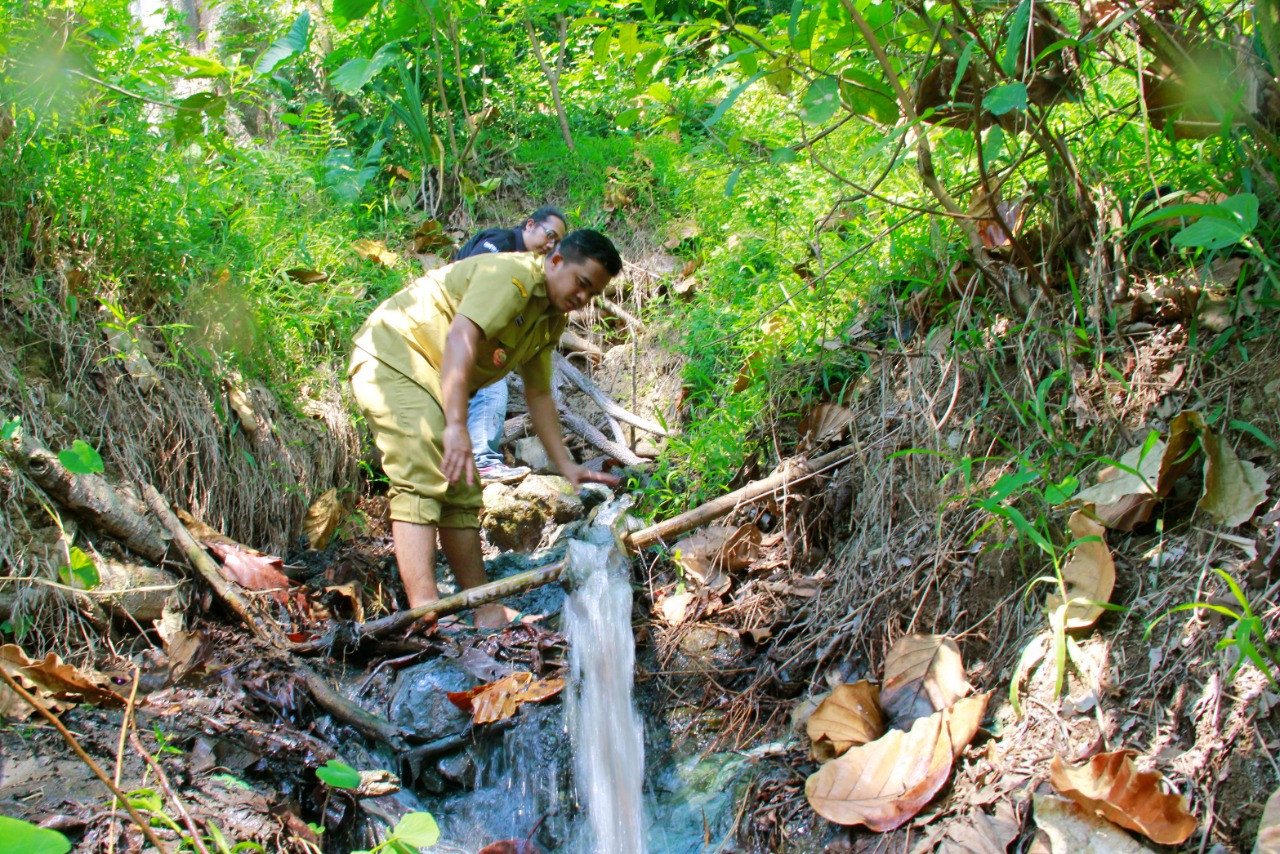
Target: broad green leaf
[
  {"x": 23, "y": 837},
  {"x": 793, "y": 22},
  {"x": 355, "y": 73},
  {"x": 1224, "y": 224},
  {"x": 1009, "y": 96},
  {"x": 340, "y": 775},
  {"x": 730, "y": 184},
  {"x": 418, "y": 829},
  {"x": 80, "y": 458},
  {"x": 81, "y": 573},
  {"x": 727, "y": 101},
  {"x": 867, "y": 96},
  {"x": 659, "y": 92},
  {"x": 803, "y": 39},
  {"x": 627, "y": 118},
  {"x": 202, "y": 66},
  {"x": 287, "y": 46},
  {"x": 820, "y": 101},
  {"x": 783, "y": 155},
  {"x": 600, "y": 47},
  {"x": 993, "y": 144},
  {"x": 352, "y": 10},
  {"x": 628, "y": 42},
  {"x": 9, "y": 429}
]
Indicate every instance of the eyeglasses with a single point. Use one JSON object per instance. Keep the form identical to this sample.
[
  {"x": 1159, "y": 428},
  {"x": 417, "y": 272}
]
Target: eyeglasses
[{"x": 553, "y": 237}]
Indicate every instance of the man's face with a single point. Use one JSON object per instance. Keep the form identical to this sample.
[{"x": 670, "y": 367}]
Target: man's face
[
  {"x": 542, "y": 237},
  {"x": 573, "y": 284}
]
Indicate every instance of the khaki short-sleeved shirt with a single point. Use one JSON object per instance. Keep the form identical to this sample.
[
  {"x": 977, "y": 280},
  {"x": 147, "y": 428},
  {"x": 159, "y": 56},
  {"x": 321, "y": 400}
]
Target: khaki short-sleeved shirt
[{"x": 504, "y": 294}]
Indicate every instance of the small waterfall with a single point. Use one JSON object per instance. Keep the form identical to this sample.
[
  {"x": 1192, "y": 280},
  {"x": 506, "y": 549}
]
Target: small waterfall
[{"x": 608, "y": 739}]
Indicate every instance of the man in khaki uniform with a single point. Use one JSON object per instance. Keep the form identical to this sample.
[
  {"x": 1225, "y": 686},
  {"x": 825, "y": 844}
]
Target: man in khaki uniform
[{"x": 423, "y": 352}]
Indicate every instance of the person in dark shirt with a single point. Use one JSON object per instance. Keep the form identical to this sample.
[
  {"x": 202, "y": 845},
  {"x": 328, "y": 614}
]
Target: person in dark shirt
[{"x": 487, "y": 409}]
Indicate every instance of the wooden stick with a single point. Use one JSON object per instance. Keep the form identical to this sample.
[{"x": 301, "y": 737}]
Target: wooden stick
[
  {"x": 788, "y": 474},
  {"x": 588, "y": 431},
  {"x": 144, "y": 826},
  {"x": 347, "y": 636},
  {"x": 632, "y": 322},
  {"x": 602, "y": 400}
]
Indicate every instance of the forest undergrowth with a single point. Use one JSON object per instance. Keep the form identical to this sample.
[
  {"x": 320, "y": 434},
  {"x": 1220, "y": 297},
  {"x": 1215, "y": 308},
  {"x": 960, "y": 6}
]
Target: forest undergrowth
[{"x": 1009, "y": 268}]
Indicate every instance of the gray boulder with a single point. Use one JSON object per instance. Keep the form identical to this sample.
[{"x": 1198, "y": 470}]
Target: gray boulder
[
  {"x": 553, "y": 495},
  {"x": 419, "y": 705}
]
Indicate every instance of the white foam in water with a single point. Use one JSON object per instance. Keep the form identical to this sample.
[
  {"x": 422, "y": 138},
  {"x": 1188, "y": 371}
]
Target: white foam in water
[{"x": 607, "y": 738}]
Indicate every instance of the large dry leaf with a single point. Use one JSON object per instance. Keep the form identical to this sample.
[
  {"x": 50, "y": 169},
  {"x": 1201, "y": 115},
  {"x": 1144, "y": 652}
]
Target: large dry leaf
[
  {"x": 322, "y": 520},
  {"x": 1268, "y": 841},
  {"x": 978, "y": 832},
  {"x": 1233, "y": 488},
  {"x": 884, "y": 783},
  {"x": 1089, "y": 575},
  {"x": 716, "y": 550},
  {"x": 253, "y": 570},
  {"x": 54, "y": 684},
  {"x": 1072, "y": 830},
  {"x": 372, "y": 250},
  {"x": 676, "y": 608},
  {"x": 1112, "y": 786},
  {"x": 499, "y": 700},
  {"x": 824, "y": 422},
  {"x": 187, "y": 651},
  {"x": 923, "y": 674},
  {"x": 1122, "y": 499},
  {"x": 849, "y": 716}
]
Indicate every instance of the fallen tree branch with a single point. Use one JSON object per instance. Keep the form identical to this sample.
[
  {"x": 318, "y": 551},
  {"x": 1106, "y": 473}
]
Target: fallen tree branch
[
  {"x": 572, "y": 341},
  {"x": 92, "y": 498},
  {"x": 610, "y": 307},
  {"x": 602, "y": 400},
  {"x": 346, "y": 637},
  {"x": 788, "y": 474},
  {"x": 588, "y": 431},
  {"x": 326, "y": 697}
]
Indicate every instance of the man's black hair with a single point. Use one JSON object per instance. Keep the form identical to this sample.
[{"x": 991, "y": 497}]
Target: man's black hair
[
  {"x": 585, "y": 243},
  {"x": 545, "y": 212}
]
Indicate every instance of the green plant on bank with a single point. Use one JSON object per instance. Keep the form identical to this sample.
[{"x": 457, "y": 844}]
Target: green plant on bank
[
  {"x": 413, "y": 831},
  {"x": 1246, "y": 633},
  {"x": 23, "y": 837},
  {"x": 151, "y": 803}
]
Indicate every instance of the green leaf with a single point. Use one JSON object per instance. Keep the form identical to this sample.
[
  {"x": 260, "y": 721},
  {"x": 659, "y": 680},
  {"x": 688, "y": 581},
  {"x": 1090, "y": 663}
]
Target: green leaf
[
  {"x": 627, "y": 118},
  {"x": 202, "y": 66},
  {"x": 601, "y": 45},
  {"x": 1002, "y": 99},
  {"x": 1255, "y": 433},
  {"x": 783, "y": 155},
  {"x": 993, "y": 145},
  {"x": 1225, "y": 224},
  {"x": 287, "y": 46},
  {"x": 81, "y": 573},
  {"x": 732, "y": 182},
  {"x": 355, "y": 73},
  {"x": 340, "y": 775},
  {"x": 820, "y": 100},
  {"x": 1015, "y": 44},
  {"x": 23, "y": 837},
  {"x": 351, "y": 10},
  {"x": 727, "y": 101},
  {"x": 80, "y": 458},
  {"x": 9, "y": 429},
  {"x": 418, "y": 829}
]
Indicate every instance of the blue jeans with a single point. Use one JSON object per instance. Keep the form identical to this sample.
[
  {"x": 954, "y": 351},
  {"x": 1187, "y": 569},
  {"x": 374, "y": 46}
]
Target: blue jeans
[{"x": 486, "y": 412}]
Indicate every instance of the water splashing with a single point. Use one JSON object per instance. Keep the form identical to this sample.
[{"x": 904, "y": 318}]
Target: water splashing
[{"x": 607, "y": 737}]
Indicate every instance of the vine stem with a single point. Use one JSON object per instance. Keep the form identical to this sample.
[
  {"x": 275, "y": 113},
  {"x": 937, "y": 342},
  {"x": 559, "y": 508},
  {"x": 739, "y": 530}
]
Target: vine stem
[{"x": 143, "y": 825}]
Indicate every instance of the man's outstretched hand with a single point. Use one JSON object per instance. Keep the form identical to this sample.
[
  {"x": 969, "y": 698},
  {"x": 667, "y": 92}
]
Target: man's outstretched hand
[
  {"x": 578, "y": 475},
  {"x": 458, "y": 464}
]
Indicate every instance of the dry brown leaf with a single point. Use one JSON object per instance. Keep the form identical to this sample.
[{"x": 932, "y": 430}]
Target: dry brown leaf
[
  {"x": 980, "y": 833},
  {"x": 1121, "y": 499},
  {"x": 431, "y": 236},
  {"x": 675, "y": 608},
  {"x": 922, "y": 674},
  {"x": 1233, "y": 488},
  {"x": 1268, "y": 841},
  {"x": 499, "y": 700},
  {"x": 352, "y": 594},
  {"x": 252, "y": 570},
  {"x": 883, "y": 783},
  {"x": 678, "y": 233},
  {"x": 322, "y": 520},
  {"x": 1073, "y": 830},
  {"x": 716, "y": 550},
  {"x": 54, "y": 684},
  {"x": 187, "y": 651},
  {"x": 824, "y": 422},
  {"x": 305, "y": 276},
  {"x": 1112, "y": 786},
  {"x": 372, "y": 250},
  {"x": 1090, "y": 574},
  {"x": 848, "y": 717}
]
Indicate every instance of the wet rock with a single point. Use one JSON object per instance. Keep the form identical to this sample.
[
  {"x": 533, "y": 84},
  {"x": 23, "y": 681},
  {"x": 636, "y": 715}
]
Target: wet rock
[
  {"x": 529, "y": 452},
  {"x": 511, "y": 523},
  {"x": 459, "y": 769},
  {"x": 708, "y": 648},
  {"x": 553, "y": 495},
  {"x": 419, "y": 704}
]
